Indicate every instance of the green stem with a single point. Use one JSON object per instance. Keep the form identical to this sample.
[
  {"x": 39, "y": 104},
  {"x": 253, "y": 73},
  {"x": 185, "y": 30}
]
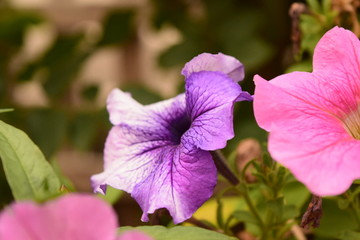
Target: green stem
[
  {"x": 356, "y": 212},
  {"x": 245, "y": 192}
]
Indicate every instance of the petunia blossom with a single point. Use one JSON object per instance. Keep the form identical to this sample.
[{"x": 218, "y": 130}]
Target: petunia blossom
[
  {"x": 73, "y": 216},
  {"x": 160, "y": 152},
  {"x": 314, "y": 118}
]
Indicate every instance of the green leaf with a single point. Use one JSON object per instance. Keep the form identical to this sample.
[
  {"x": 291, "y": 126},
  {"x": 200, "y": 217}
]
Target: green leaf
[
  {"x": 179, "y": 233},
  {"x": 334, "y": 220},
  {"x": 245, "y": 216},
  {"x": 276, "y": 206},
  {"x": 295, "y": 194},
  {"x": 349, "y": 235},
  {"x": 289, "y": 212},
  {"x": 29, "y": 175},
  {"x": 112, "y": 195}
]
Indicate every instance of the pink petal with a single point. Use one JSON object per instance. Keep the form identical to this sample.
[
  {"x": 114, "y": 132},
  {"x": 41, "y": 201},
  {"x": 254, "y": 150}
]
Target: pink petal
[
  {"x": 306, "y": 132},
  {"x": 337, "y": 63},
  {"x": 73, "y": 216},
  {"x": 326, "y": 168}
]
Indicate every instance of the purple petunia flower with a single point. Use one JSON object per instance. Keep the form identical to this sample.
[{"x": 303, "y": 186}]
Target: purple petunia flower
[{"x": 160, "y": 152}]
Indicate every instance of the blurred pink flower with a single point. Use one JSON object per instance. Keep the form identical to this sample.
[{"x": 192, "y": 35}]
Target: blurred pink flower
[
  {"x": 314, "y": 118},
  {"x": 73, "y": 216}
]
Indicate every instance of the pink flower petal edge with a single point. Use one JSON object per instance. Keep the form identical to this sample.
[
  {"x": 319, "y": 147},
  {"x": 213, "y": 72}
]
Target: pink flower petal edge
[
  {"x": 313, "y": 118},
  {"x": 73, "y": 216}
]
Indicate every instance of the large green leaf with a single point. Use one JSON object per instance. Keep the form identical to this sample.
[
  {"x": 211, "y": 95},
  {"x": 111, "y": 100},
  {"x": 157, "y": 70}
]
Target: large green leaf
[
  {"x": 179, "y": 233},
  {"x": 29, "y": 175}
]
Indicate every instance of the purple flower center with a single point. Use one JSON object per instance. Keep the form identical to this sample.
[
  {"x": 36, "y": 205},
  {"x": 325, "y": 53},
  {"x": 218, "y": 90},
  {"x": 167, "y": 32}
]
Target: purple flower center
[{"x": 179, "y": 126}]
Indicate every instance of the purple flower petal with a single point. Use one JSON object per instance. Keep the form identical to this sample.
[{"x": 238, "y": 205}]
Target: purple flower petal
[
  {"x": 73, "y": 216},
  {"x": 215, "y": 63},
  {"x": 181, "y": 182},
  {"x": 134, "y": 142},
  {"x": 210, "y": 98},
  {"x": 143, "y": 156},
  {"x": 159, "y": 153}
]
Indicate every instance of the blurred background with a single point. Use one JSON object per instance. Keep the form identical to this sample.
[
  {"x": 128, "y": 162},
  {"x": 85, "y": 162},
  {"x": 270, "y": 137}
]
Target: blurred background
[{"x": 60, "y": 59}]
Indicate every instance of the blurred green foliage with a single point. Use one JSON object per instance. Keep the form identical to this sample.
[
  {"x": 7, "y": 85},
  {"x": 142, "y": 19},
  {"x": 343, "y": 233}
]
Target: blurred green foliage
[
  {"x": 248, "y": 30},
  {"x": 61, "y": 122},
  {"x": 256, "y": 32}
]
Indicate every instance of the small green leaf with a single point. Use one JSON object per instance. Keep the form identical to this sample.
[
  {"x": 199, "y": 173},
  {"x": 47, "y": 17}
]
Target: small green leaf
[
  {"x": 276, "y": 206},
  {"x": 295, "y": 194},
  {"x": 245, "y": 216},
  {"x": 289, "y": 212},
  {"x": 257, "y": 167},
  {"x": 268, "y": 162},
  {"x": 281, "y": 175},
  {"x": 29, "y": 175},
  {"x": 179, "y": 233}
]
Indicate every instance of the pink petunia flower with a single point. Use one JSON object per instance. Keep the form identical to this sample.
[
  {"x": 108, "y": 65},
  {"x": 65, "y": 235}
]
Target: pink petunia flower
[
  {"x": 73, "y": 216},
  {"x": 314, "y": 118}
]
